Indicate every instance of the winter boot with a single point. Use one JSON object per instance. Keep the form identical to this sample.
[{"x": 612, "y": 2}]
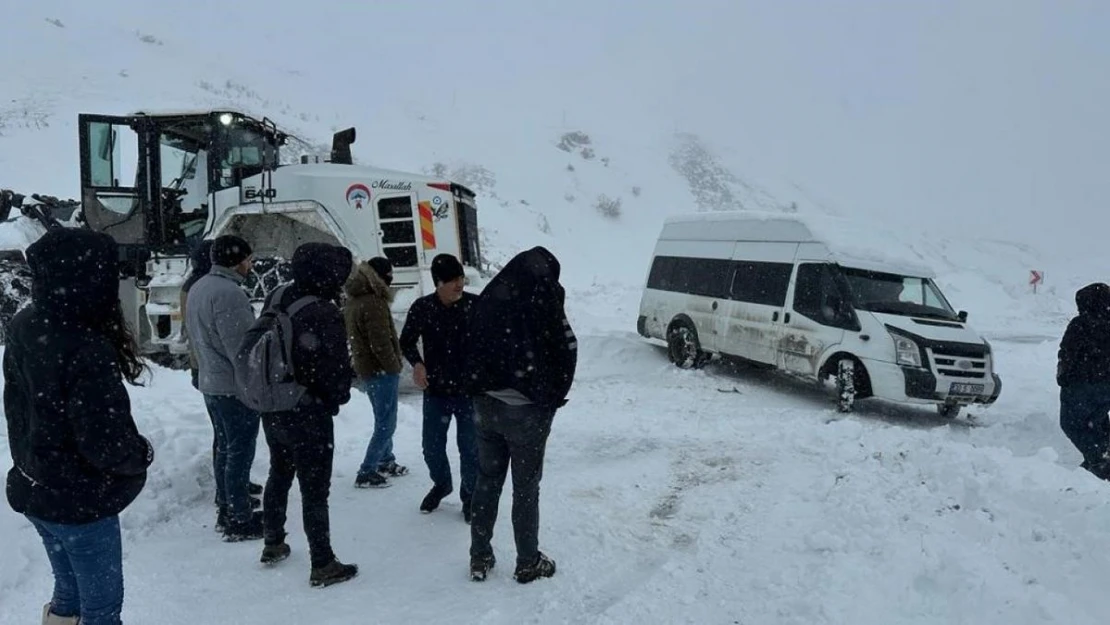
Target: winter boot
[
  {"x": 254, "y": 489},
  {"x": 221, "y": 520},
  {"x": 544, "y": 567},
  {"x": 480, "y": 568},
  {"x": 467, "y": 513},
  {"x": 432, "y": 499},
  {"x": 250, "y": 530},
  {"x": 372, "y": 480},
  {"x": 392, "y": 469},
  {"x": 332, "y": 573},
  {"x": 272, "y": 554},
  {"x": 49, "y": 618}
]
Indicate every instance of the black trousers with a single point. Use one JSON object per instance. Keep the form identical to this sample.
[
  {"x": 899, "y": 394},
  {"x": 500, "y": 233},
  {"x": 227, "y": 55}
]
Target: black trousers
[
  {"x": 1083, "y": 417},
  {"x": 302, "y": 445},
  {"x": 516, "y": 437}
]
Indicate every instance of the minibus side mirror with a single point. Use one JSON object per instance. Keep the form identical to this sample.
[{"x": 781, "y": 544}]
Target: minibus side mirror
[{"x": 962, "y": 316}]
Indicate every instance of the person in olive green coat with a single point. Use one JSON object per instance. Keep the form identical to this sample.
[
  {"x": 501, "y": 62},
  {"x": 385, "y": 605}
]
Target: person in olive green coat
[{"x": 376, "y": 356}]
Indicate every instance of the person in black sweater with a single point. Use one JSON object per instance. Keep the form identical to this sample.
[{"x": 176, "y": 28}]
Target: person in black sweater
[
  {"x": 440, "y": 320},
  {"x": 521, "y": 358},
  {"x": 1083, "y": 373},
  {"x": 302, "y": 441},
  {"x": 78, "y": 458}
]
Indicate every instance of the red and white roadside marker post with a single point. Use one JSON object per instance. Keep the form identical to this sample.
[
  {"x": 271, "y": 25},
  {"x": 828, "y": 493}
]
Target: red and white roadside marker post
[{"x": 1036, "y": 277}]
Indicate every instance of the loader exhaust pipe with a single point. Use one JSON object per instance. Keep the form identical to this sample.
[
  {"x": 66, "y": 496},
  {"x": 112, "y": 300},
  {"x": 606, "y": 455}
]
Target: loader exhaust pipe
[{"x": 341, "y": 146}]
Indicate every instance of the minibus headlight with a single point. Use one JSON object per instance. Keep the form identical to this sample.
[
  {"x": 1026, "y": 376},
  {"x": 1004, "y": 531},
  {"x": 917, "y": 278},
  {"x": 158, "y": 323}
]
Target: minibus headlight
[{"x": 906, "y": 351}]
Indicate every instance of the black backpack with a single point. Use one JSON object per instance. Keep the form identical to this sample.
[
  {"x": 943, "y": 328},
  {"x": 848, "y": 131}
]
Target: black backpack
[{"x": 265, "y": 376}]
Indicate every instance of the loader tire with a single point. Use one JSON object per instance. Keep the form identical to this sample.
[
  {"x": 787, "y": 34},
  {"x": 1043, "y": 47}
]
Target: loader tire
[{"x": 15, "y": 292}]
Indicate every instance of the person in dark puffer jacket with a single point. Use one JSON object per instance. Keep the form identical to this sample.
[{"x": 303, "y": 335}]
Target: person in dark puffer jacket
[
  {"x": 376, "y": 355},
  {"x": 302, "y": 441},
  {"x": 78, "y": 457},
  {"x": 521, "y": 358},
  {"x": 1083, "y": 373}
]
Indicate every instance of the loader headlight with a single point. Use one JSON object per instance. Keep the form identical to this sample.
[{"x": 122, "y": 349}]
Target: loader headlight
[
  {"x": 907, "y": 353},
  {"x": 226, "y": 119}
]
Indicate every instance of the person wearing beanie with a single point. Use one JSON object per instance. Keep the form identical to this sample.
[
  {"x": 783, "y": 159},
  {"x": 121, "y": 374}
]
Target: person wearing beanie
[
  {"x": 218, "y": 314},
  {"x": 231, "y": 251},
  {"x": 376, "y": 356},
  {"x": 201, "y": 260},
  {"x": 440, "y": 319},
  {"x": 446, "y": 269}
]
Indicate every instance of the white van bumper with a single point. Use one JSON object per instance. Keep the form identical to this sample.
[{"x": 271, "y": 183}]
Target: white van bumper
[{"x": 922, "y": 386}]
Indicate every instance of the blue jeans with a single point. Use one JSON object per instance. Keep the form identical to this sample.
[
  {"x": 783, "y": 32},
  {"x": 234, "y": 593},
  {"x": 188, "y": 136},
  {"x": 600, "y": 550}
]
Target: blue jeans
[
  {"x": 438, "y": 410},
  {"x": 87, "y": 561},
  {"x": 382, "y": 390},
  {"x": 236, "y": 428}
]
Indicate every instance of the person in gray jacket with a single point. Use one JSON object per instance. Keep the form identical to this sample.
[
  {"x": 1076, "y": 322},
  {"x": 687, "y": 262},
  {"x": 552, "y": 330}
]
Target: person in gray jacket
[{"x": 218, "y": 314}]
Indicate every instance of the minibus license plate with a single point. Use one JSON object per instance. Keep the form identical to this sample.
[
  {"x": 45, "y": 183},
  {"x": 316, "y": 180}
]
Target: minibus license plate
[{"x": 959, "y": 388}]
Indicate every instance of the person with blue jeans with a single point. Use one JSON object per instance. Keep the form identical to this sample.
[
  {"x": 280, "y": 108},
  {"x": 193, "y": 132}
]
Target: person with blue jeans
[
  {"x": 440, "y": 321},
  {"x": 201, "y": 260},
  {"x": 217, "y": 317},
  {"x": 376, "y": 358},
  {"x": 78, "y": 459}
]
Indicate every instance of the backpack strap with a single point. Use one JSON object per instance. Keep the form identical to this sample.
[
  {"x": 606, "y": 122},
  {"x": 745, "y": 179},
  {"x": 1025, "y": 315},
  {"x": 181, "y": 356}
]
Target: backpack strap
[
  {"x": 296, "y": 306},
  {"x": 275, "y": 299}
]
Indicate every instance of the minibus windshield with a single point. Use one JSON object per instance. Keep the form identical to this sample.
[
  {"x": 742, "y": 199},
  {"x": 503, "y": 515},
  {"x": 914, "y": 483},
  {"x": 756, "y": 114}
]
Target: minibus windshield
[{"x": 897, "y": 295}]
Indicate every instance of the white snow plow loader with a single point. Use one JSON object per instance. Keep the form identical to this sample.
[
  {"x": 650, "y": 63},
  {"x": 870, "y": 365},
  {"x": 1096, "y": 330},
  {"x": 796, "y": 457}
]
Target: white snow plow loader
[{"x": 159, "y": 183}]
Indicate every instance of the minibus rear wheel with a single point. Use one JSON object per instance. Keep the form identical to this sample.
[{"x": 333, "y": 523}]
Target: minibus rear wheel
[{"x": 684, "y": 348}]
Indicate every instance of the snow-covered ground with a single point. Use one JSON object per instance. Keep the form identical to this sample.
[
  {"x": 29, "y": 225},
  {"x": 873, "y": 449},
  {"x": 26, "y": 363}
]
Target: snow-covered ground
[
  {"x": 716, "y": 496},
  {"x": 665, "y": 500}
]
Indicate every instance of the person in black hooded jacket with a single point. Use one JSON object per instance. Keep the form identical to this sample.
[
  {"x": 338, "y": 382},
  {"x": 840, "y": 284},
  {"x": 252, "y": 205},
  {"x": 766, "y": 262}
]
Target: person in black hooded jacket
[
  {"x": 302, "y": 441},
  {"x": 78, "y": 458},
  {"x": 1083, "y": 373},
  {"x": 521, "y": 359}
]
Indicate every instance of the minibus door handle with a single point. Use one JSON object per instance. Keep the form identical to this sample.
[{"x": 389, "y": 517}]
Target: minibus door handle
[
  {"x": 787, "y": 318},
  {"x": 775, "y": 316}
]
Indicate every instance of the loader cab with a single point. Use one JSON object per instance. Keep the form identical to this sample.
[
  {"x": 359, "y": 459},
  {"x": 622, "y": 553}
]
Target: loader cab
[{"x": 147, "y": 179}]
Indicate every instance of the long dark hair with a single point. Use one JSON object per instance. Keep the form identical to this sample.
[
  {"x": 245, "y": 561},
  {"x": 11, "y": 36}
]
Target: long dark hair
[{"x": 114, "y": 327}]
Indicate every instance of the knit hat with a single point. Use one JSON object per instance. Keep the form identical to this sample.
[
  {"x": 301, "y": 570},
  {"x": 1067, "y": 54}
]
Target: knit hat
[
  {"x": 383, "y": 268},
  {"x": 446, "y": 268},
  {"x": 229, "y": 250}
]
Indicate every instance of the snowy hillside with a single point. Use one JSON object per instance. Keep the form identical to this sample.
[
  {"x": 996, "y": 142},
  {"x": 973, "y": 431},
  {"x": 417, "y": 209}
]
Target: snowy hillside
[{"x": 717, "y": 496}]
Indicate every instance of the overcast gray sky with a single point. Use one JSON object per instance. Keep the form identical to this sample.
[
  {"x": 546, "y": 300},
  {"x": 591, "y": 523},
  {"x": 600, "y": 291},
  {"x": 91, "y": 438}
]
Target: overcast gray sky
[{"x": 981, "y": 113}]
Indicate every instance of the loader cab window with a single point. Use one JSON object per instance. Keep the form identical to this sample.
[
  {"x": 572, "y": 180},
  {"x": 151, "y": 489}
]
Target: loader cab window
[
  {"x": 245, "y": 151},
  {"x": 113, "y": 162},
  {"x": 179, "y": 159}
]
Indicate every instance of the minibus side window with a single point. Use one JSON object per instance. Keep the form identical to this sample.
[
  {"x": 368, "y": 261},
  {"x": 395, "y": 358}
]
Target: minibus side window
[
  {"x": 708, "y": 277},
  {"x": 763, "y": 283},
  {"x": 818, "y": 297}
]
